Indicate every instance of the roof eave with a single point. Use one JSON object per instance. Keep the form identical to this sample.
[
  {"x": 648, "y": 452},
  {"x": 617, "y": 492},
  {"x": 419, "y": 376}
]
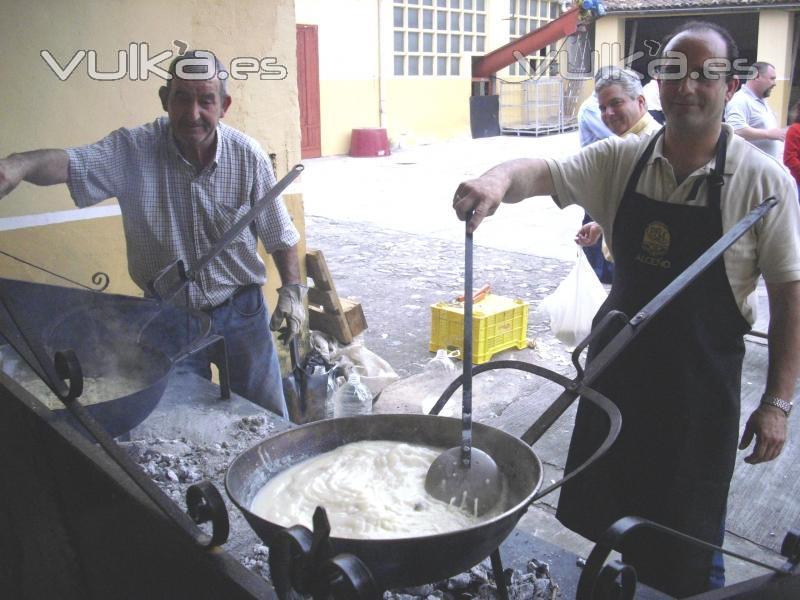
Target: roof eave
[{"x": 700, "y": 9}]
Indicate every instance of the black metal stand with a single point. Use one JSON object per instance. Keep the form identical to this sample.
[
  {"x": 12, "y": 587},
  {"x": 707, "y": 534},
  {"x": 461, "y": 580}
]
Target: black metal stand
[
  {"x": 302, "y": 561},
  {"x": 499, "y": 575},
  {"x": 617, "y": 580}
]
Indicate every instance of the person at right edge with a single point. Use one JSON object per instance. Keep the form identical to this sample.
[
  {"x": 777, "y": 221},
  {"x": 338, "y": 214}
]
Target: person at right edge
[
  {"x": 791, "y": 150},
  {"x": 662, "y": 201}
]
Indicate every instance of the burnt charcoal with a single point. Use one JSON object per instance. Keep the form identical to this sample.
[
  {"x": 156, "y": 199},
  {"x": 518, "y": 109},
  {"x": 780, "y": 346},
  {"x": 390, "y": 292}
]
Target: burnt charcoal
[
  {"x": 482, "y": 570},
  {"x": 523, "y": 591},
  {"x": 460, "y": 582},
  {"x": 478, "y": 584},
  {"x": 420, "y": 590},
  {"x": 539, "y": 568}
]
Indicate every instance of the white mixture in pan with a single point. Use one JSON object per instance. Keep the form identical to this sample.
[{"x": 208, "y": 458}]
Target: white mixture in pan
[
  {"x": 95, "y": 390},
  {"x": 370, "y": 490}
]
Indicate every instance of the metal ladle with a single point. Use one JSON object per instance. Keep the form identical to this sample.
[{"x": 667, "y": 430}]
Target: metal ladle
[{"x": 466, "y": 476}]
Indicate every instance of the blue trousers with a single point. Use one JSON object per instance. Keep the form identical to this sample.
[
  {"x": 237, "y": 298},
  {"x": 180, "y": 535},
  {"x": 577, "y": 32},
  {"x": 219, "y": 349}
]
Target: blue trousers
[
  {"x": 255, "y": 373},
  {"x": 602, "y": 268},
  {"x": 716, "y": 576}
]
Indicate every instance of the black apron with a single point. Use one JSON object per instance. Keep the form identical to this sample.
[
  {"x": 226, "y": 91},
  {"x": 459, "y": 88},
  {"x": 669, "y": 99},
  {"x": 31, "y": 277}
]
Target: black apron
[{"x": 677, "y": 386}]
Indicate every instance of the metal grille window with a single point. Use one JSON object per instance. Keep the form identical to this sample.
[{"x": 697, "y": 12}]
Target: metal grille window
[
  {"x": 526, "y": 16},
  {"x": 431, "y": 35}
]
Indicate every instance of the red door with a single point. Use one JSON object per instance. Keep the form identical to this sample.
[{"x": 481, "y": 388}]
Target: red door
[{"x": 308, "y": 90}]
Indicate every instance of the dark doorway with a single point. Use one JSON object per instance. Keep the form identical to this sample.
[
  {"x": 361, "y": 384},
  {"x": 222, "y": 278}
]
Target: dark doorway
[{"x": 646, "y": 35}]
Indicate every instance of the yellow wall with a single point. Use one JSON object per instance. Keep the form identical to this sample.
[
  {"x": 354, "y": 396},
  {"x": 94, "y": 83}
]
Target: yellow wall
[
  {"x": 356, "y": 70},
  {"x": 609, "y": 41},
  {"x": 775, "y": 35},
  {"x": 425, "y": 109},
  {"x": 39, "y": 110},
  {"x": 345, "y": 105}
]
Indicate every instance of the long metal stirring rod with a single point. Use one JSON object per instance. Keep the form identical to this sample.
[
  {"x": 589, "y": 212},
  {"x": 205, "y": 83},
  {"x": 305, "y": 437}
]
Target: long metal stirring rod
[{"x": 466, "y": 405}]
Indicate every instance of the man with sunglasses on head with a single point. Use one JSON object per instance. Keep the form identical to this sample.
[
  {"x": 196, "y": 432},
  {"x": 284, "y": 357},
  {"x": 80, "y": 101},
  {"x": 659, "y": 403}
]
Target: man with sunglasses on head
[{"x": 662, "y": 200}]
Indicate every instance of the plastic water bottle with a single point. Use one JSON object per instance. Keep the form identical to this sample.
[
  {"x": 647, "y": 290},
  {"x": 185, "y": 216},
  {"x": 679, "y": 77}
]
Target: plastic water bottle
[
  {"x": 353, "y": 398},
  {"x": 439, "y": 373},
  {"x": 441, "y": 365}
]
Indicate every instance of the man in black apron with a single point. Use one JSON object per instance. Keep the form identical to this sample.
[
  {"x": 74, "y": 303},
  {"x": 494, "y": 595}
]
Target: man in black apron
[{"x": 678, "y": 384}]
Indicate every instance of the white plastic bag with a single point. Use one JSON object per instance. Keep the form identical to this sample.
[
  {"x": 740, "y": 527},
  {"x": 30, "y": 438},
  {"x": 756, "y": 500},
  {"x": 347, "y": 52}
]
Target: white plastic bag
[
  {"x": 374, "y": 371},
  {"x": 574, "y": 303}
]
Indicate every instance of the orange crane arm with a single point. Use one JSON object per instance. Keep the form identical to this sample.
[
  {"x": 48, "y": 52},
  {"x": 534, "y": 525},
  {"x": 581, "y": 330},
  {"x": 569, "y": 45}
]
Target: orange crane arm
[{"x": 559, "y": 28}]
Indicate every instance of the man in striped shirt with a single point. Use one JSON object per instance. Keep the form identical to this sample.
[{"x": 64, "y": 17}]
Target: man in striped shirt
[{"x": 182, "y": 182}]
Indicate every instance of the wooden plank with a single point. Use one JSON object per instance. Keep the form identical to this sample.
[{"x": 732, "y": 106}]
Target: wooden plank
[
  {"x": 354, "y": 315},
  {"x": 317, "y": 269},
  {"x": 325, "y": 310},
  {"x": 335, "y": 325},
  {"x": 328, "y": 300}
]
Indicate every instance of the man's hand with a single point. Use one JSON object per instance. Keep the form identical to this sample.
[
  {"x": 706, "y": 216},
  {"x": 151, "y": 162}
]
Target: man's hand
[
  {"x": 509, "y": 182},
  {"x": 40, "y": 167},
  {"x": 588, "y": 234},
  {"x": 481, "y": 197},
  {"x": 778, "y": 133},
  {"x": 290, "y": 308},
  {"x": 768, "y": 425},
  {"x": 10, "y": 175}
]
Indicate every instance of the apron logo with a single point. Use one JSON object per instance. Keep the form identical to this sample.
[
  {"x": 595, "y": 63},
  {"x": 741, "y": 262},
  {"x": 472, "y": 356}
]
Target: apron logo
[{"x": 655, "y": 245}]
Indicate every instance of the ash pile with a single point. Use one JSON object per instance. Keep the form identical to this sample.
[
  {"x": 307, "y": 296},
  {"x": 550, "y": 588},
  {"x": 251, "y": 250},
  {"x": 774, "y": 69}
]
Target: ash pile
[
  {"x": 535, "y": 583},
  {"x": 176, "y": 464}
]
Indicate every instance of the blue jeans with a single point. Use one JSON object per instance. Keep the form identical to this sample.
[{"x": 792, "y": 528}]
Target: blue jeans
[
  {"x": 253, "y": 364},
  {"x": 716, "y": 575},
  {"x": 602, "y": 268}
]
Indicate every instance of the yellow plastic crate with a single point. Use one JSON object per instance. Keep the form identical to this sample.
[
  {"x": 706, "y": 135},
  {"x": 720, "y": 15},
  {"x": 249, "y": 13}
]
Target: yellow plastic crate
[{"x": 498, "y": 323}]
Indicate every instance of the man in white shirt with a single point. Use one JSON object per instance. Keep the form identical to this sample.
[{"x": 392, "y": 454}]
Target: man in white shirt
[{"x": 751, "y": 117}]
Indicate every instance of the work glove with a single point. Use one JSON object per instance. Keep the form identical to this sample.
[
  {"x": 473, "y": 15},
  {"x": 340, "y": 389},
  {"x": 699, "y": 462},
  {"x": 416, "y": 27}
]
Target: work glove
[{"x": 290, "y": 308}]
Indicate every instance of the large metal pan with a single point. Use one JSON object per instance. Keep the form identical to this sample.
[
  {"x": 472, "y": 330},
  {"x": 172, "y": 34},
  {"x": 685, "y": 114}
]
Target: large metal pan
[
  {"x": 137, "y": 338},
  {"x": 402, "y": 561}
]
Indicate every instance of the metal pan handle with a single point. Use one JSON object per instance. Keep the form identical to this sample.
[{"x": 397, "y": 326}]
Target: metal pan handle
[
  {"x": 205, "y": 502},
  {"x": 613, "y": 537},
  {"x": 171, "y": 283},
  {"x": 572, "y": 389}
]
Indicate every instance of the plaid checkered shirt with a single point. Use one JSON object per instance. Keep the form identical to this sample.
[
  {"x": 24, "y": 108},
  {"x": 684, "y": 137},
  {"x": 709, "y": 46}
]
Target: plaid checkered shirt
[{"x": 170, "y": 211}]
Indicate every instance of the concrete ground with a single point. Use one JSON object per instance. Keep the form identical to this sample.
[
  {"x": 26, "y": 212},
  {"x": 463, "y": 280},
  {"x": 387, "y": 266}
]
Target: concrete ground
[{"x": 393, "y": 243}]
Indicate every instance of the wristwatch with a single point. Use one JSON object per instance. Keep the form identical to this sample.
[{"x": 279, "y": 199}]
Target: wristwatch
[{"x": 784, "y": 405}]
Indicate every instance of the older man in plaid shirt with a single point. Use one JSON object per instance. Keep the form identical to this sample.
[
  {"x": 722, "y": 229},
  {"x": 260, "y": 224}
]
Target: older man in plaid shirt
[{"x": 181, "y": 183}]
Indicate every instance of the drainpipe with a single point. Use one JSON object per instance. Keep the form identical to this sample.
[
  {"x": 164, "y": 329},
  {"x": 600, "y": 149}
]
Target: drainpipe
[{"x": 381, "y": 102}]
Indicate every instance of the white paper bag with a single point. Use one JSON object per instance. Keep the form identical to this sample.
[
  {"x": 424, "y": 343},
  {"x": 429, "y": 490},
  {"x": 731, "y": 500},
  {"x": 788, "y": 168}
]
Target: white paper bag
[{"x": 574, "y": 303}]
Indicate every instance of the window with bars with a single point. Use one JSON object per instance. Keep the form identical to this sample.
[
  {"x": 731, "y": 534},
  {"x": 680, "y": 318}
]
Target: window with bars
[
  {"x": 526, "y": 16},
  {"x": 431, "y": 35}
]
